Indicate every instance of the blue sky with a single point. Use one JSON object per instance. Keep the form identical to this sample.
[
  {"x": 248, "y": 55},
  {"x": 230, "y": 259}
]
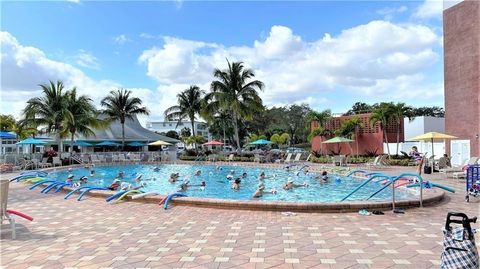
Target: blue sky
[{"x": 326, "y": 53}]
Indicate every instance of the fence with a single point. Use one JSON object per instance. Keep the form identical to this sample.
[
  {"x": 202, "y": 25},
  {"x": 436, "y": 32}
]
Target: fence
[{"x": 423, "y": 147}]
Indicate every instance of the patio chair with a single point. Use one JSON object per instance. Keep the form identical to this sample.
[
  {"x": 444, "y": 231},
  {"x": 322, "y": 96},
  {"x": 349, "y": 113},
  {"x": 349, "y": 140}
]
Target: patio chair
[
  {"x": 44, "y": 163},
  {"x": 308, "y": 157},
  {"x": 121, "y": 158},
  {"x": 377, "y": 162},
  {"x": 94, "y": 159},
  {"x": 460, "y": 168},
  {"x": 288, "y": 159},
  {"x": 56, "y": 161},
  {"x": 297, "y": 157},
  {"x": 230, "y": 158},
  {"x": 339, "y": 160}
]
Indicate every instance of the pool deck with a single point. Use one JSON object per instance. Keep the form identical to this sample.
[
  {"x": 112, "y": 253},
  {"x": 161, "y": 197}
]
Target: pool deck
[{"x": 94, "y": 234}]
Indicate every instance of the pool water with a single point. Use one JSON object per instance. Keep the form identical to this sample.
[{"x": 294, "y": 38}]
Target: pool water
[{"x": 218, "y": 186}]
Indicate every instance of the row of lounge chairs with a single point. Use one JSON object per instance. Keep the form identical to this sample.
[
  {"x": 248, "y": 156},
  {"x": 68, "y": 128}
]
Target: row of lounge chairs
[{"x": 460, "y": 171}]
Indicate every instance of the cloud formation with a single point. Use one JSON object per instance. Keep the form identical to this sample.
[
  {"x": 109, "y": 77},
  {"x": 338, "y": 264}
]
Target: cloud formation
[
  {"x": 121, "y": 39},
  {"x": 377, "y": 58},
  {"x": 86, "y": 59}
]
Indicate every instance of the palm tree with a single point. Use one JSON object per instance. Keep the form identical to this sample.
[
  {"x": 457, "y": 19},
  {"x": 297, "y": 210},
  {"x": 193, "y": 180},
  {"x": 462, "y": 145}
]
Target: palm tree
[
  {"x": 382, "y": 114},
  {"x": 321, "y": 117},
  {"x": 49, "y": 110},
  {"x": 399, "y": 112},
  {"x": 119, "y": 105},
  {"x": 189, "y": 105},
  {"x": 80, "y": 118},
  {"x": 350, "y": 129},
  {"x": 236, "y": 93}
]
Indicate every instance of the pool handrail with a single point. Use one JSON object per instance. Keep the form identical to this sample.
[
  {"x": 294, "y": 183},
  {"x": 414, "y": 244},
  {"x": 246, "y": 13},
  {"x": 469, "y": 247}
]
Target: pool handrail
[
  {"x": 393, "y": 179},
  {"x": 363, "y": 184},
  {"x": 356, "y": 171}
]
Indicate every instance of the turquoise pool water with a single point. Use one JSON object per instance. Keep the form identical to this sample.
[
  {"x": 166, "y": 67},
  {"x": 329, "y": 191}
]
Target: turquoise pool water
[{"x": 218, "y": 186}]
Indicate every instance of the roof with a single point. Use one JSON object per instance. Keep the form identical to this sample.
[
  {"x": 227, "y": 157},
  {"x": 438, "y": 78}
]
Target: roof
[
  {"x": 7, "y": 135},
  {"x": 134, "y": 131}
]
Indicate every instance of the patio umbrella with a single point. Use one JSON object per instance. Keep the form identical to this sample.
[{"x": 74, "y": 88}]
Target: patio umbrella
[
  {"x": 80, "y": 143},
  {"x": 136, "y": 144},
  {"x": 213, "y": 143},
  {"x": 31, "y": 141},
  {"x": 338, "y": 139},
  {"x": 108, "y": 143},
  {"x": 261, "y": 142},
  {"x": 432, "y": 136},
  {"x": 159, "y": 143}
]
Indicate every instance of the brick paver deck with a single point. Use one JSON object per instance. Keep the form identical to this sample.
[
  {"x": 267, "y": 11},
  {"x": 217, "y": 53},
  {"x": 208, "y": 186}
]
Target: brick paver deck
[{"x": 94, "y": 234}]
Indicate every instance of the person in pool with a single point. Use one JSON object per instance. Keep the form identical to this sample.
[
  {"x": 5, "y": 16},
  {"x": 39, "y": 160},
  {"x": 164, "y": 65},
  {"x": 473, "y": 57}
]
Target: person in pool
[
  {"x": 185, "y": 185},
  {"x": 290, "y": 185},
  {"x": 83, "y": 180},
  {"x": 174, "y": 177},
  {"x": 323, "y": 177},
  {"x": 69, "y": 179},
  {"x": 262, "y": 176},
  {"x": 156, "y": 169},
  {"x": 198, "y": 173},
  {"x": 92, "y": 173},
  {"x": 244, "y": 175},
  {"x": 261, "y": 191},
  {"x": 236, "y": 184},
  {"x": 115, "y": 184},
  {"x": 121, "y": 174}
]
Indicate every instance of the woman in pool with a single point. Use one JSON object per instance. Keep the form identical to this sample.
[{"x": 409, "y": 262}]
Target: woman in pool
[
  {"x": 115, "y": 184},
  {"x": 290, "y": 185},
  {"x": 92, "y": 173},
  {"x": 244, "y": 175},
  {"x": 236, "y": 184},
  {"x": 156, "y": 169},
  {"x": 198, "y": 173},
  {"x": 121, "y": 174},
  {"x": 261, "y": 191},
  {"x": 185, "y": 185},
  {"x": 323, "y": 177},
  {"x": 174, "y": 177}
]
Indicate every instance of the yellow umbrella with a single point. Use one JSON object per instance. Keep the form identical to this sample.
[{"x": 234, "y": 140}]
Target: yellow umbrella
[
  {"x": 432, "y": 136},
  {"x": 159, "y": 143}
]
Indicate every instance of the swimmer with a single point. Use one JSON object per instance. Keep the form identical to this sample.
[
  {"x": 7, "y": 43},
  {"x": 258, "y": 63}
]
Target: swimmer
[
  {"x": 236, "y": 184},
  {"x": 261, "y": 191},
  {"x": 185, "y": 185},
  {"x": 156, "y": 169},
  {"x": 83, "y": 180},
  {"x": 70, "y": 170},
  {"x": 218, "y": 167},
  {"x": 323, "y": 176},
  {"x": 121, "y": 174},
  {"x": 92, "y": 173},
  {"x": 262, "y": 176},
  {"x": 229, "y": 177},
  {"x": 173, "y": 177},
  {"x": 115, "y": 184},
  {"x": 198, "y": 173},
  {"x": 244, "y": 175},
  {"x": 69, "y": 179},
  {"x": 290, "y": 185}
]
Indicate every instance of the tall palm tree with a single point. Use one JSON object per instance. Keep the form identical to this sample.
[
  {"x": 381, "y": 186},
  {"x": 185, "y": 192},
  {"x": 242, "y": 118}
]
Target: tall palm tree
[
  {"x": 399, "y": 112},
  {"x": 350, "y": 129},
  {"x": 81, "y": 117},
  {"x": 382, "y": 114},
  {"x": 235, "y": 92},
  {"x": 321, "y": 117},
  {"x": 119, "y": 105},
  {"x": 189, "y": 104},
  {"x": 49, "y": 110}
]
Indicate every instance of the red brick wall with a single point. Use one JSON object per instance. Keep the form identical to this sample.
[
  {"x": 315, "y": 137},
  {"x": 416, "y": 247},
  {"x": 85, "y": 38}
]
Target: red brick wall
[
  {"x": 461, "y": 24},
  {"x": 369, "y": 138}
]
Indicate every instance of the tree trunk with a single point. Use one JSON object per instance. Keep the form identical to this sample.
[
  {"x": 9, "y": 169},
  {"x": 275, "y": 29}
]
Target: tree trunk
[
  {"x": 356, "y": 139},
  {"x": 398, "y": 134},
  {"x": 223, "y": 136},
  {"x": 192, "y": 121},
  {"x": 71, "y": 147},
  {"x": 123, "y": 136},
  {"x": 235, "y": 127},
  {"x": 386, "y": 141}
]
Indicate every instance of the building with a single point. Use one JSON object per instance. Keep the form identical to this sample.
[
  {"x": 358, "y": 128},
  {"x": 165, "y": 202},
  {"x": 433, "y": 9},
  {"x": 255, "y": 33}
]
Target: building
[
  {"x": 461, "y": 26},
  {"x": 7, "y": 143},
  {"x": 369, "y": 138},
  {"x": 201, "y": 128},
  {"x": 421, "y": 125}
]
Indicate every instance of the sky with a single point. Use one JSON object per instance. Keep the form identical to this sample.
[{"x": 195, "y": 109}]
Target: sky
[{"x": 328, "y": 54}]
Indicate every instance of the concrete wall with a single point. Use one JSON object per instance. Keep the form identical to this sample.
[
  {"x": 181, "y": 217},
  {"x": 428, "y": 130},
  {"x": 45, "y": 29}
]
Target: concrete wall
[{"x": 461, "y": 24}]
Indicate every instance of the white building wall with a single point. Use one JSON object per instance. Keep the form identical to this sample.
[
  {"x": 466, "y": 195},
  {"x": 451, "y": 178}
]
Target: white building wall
[{"x": 421, "y": 125}]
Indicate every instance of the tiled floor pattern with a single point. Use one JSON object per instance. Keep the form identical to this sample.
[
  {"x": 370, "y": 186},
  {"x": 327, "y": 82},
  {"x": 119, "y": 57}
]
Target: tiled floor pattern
[{"x": 94, "y": 234}]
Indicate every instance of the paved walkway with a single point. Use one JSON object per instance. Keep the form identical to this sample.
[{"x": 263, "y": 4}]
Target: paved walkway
[{"x": 94, "y": 234}]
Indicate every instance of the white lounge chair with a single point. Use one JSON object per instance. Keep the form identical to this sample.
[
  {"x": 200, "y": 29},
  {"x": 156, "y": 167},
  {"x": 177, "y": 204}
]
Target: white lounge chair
[
  {"x": 230, "y": 158},
  {"x": 288, "y": 158},
  {"x": 56, "y": 161},
  {"x": 471, "y": 161},
  {"x": 297, "y": 157}
]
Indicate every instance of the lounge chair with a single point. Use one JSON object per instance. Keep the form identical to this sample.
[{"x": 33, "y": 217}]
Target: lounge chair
[
  {"x": 308, "y": 157},
  {"x": 288, "y": 158},
  {"x": 379, "y": 162},
  {"x": 44, "y": 163},
  {"x": 56, "y": 161},
  {"x": 230, "y": 158},
  {"x": 471, "y": 161},
  {"x": 297, "y": 158}
]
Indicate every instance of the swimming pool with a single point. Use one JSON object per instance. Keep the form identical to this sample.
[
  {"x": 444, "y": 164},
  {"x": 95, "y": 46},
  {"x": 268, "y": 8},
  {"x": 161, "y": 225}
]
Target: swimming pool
[{"x": 218, "y": 186}]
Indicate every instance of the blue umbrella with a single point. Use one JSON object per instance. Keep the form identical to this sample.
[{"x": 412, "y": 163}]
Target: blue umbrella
[
  {"x": 136, "y": 144},
  {"x": 31, "y": 141},
  {"x": 261, "y": 142},
  {"x": 108, "y": 143},
  {"x": 7, "y": 135},
  {"x": 82, "y": 144}
]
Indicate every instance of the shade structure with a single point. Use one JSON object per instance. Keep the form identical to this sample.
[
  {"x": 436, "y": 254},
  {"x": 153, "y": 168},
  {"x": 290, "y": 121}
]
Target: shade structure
[
  {"x": 7, "y": 135},
  {"x": 80, "y": 143},
  {"x": 108, "y": 143},
  {"x": 337, "y": 139},
  {"x": 136, "y": 144},
  {"x": 213, "y": 143},
  {"x": 159, "y": 143},
  {"x": 432, "y": 136},
  {"x": 31, "y": 141},
  {"x": 261, "y": 142}
]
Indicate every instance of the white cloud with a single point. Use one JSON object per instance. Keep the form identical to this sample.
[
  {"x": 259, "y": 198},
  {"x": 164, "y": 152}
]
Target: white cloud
[
  {"x": 86, "y": 59},
  {"x": 73, "y": 1},
  {"x": 146, "y": 36},
  {"x": 25, "y": 67},
  {"x": 390, "y": 12},
  {"x": 378, "y": 58},
  {"x": 121, "y": 39},
  {"x": 429, "y": 9}
]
